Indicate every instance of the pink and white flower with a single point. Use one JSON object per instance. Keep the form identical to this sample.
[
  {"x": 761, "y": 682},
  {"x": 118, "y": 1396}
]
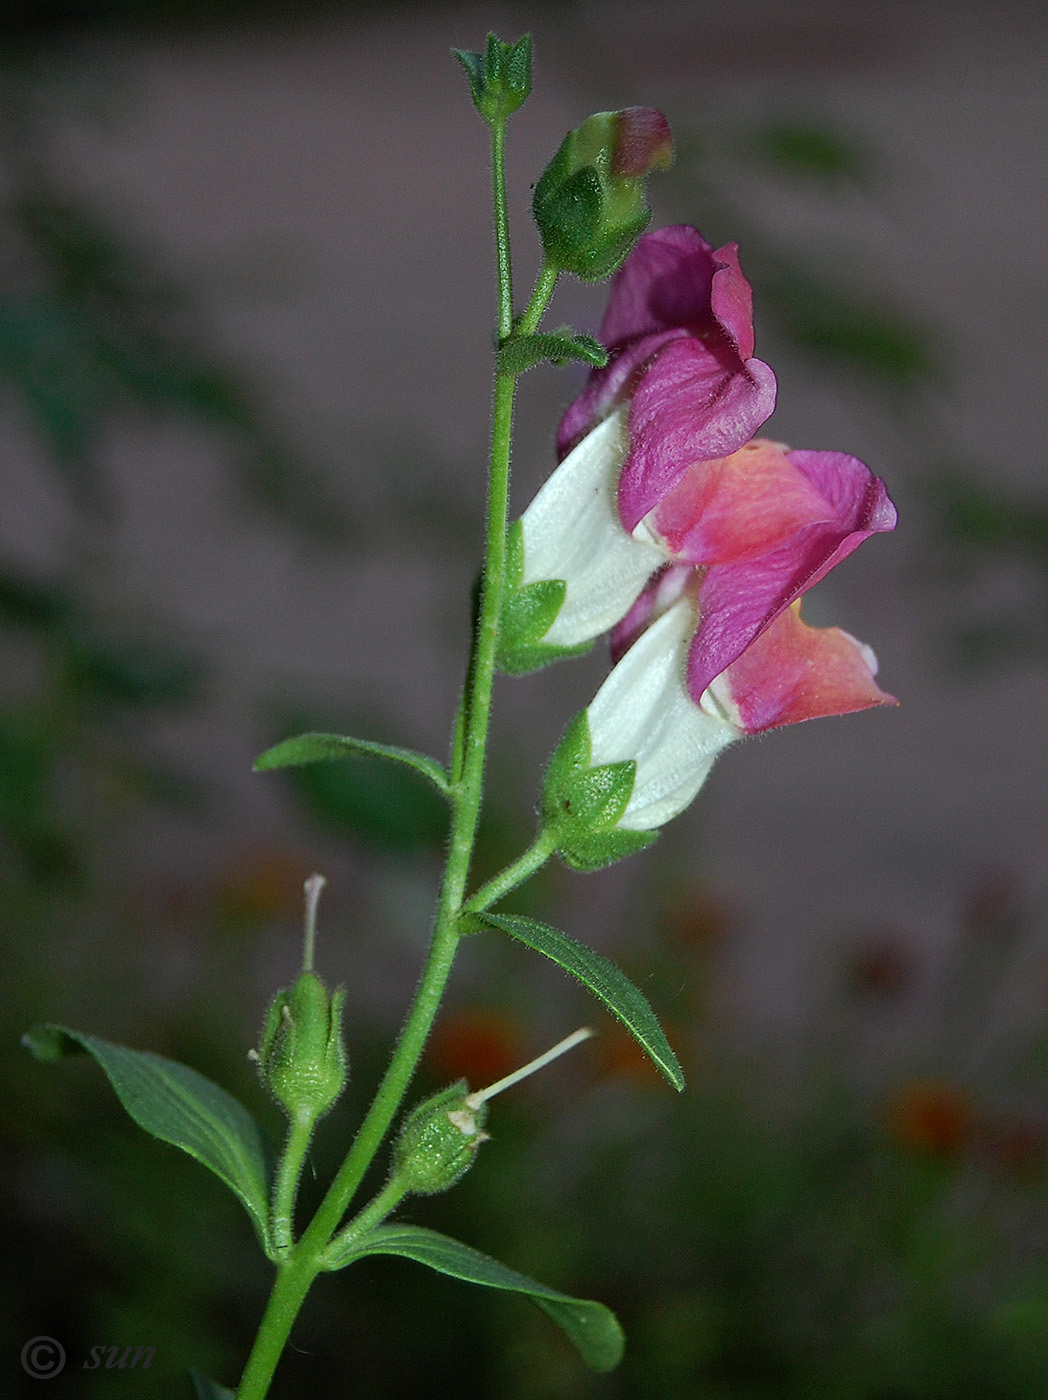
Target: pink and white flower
[
  {"x": 662, "y": 477},
  {"x": 647, "y": 712},
  {"x": 746, "y": 534},
  {"x": 690, "y": 539}
]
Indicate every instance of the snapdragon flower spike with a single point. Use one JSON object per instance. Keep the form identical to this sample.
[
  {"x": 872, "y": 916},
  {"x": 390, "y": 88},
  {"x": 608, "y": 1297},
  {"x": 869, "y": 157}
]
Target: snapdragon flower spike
[
  {"x": 646, "y": 712},
  {"x": 679, "y": 332}
]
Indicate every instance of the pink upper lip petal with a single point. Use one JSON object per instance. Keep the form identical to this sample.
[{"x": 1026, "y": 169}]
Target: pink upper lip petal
[{"x": 679, "y": 331}]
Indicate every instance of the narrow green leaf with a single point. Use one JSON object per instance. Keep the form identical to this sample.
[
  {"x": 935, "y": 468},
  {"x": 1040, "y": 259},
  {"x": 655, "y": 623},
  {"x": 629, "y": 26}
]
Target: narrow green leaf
[
  {"x": 606, "y": 981},
  {"x": 387, "y": 805},
  {"x": 593, "y": 1328},
  {"x": 320, "y": 748},
  {"x": 205, "y": 1389},
  {"x": 179, "y": 1106}
]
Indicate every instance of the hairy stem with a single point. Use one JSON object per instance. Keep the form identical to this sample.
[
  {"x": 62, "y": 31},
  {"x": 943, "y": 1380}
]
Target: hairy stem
[
  {"x": 304, "y": 1261},
  {"x": 500, "y": 885},
  {"x": 285, "y": 1188}
]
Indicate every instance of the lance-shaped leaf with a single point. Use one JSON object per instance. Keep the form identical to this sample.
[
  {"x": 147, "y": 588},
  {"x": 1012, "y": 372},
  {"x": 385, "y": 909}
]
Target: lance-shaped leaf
[
  {"x": 321, "y": 748},
  {"x": 593, "y": 1328},
  {"x": 179, "y": 1106},
  {"x": 606, "y": 981}
]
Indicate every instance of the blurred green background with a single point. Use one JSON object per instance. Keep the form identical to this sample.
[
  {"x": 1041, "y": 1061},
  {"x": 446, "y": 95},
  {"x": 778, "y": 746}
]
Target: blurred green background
[{"x": 243, "y": 384}]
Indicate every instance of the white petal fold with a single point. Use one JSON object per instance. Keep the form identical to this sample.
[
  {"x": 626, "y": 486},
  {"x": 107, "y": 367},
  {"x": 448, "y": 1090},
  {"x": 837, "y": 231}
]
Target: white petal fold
[
  {"x": 572, "y": 531},
  {"x": 643, "y": 712}
]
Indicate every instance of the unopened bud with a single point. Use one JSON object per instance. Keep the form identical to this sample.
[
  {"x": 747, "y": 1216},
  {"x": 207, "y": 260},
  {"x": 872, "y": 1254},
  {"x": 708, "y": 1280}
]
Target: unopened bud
[
  {"x": 499, "y": 78},
  {"x": 589, "y": 203}
]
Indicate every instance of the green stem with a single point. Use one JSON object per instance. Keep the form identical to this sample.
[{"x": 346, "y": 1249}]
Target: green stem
[
  {"x": 292, "y": 1283},
  {"x": 540, "y": 299},
  {"x": 285, "y": 1188},
  {"x": 534, "y": 858},
  {"x": 304, "y": 1262},
  {"x": 373, "y": 1214},
  {"x": 502, "y": 251}
]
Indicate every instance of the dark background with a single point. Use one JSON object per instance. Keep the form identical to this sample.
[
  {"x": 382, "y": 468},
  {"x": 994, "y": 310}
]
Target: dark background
[{"x": 246, "y": 301}]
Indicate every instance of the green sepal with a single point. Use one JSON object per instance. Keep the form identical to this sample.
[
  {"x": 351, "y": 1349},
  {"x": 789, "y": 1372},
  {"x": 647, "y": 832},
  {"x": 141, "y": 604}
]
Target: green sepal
[
  {"x": 518, "y": 353},
  {"x": 177, "y": 1105},
  {"x": 499, "y": 78},
  {"x": 571, "y": 220},
  {"x": 577, "y": 796},
  {"x": 608, "y": 983},
  {"x": 570, "y": 757},
  {"x": 528, "y": 612},
  {"x": 603, "y": 848},
  {"x": 593, "y": 801},
  {"x": 567, "y": 207},
  {"x": 438, "y": 1141},
  {"x": 591, "y": 1327},
  {"x": 322, "y": 748},
  {"x": 581, "y": 804},
  {"x": 605, "y": 255}
]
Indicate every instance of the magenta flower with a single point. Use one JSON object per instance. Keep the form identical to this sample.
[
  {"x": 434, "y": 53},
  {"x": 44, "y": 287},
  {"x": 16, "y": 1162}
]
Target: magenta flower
[{"x": 679, "y": 332}]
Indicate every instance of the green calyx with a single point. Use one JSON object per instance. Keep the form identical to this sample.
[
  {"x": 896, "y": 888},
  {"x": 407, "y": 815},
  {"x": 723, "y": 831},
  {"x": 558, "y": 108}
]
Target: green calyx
[
  {"x": 582, "y": 803},
  {"x": 301, "y": 1057},
  {"x": 528, "y": 612},
  {"x": 438, "y": 1141},
  {"x": 499, "y": 78},
  {"x": 589, "y": 203}
]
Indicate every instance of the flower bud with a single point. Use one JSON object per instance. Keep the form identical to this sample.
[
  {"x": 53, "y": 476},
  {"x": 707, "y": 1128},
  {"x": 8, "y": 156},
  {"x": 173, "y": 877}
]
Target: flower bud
[
  {"x": 438, "y": 1141},
  {"x": 589, "y": 203},
  {"x": 301, "y": 1058}
]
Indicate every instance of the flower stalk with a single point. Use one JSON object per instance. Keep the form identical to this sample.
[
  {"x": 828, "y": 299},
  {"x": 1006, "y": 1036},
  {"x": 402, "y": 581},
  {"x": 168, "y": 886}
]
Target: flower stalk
[{"x": 304, "y": 1259}]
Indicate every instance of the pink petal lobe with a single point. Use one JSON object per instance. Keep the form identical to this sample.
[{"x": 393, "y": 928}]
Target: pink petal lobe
[
  {"x": 734, "y": 508},
  {"x": 643, "y": 142},
  {"x": 794, "y": 672},
  {"x": 607, "y": 387},
  {"x": 664, "y": 284},
  {"x": 694, "y": 403},
  {"x": 731, "y": 299},
  {"x": 675, "y": 287},
  {"x": 739, "y": 599}
]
